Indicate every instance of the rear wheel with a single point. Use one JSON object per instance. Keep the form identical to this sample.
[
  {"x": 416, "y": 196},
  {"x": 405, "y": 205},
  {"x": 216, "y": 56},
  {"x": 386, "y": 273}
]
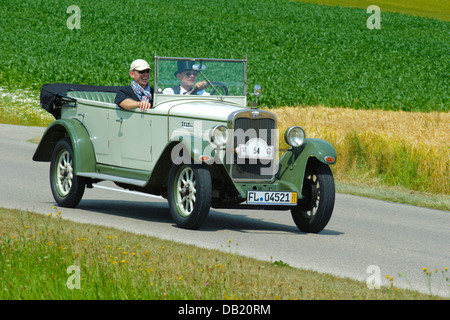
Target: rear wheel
[
  {"x": 314, "y": 210},
  {"x": 189, "y": 194},
  {"x": 67, "y": 188}
]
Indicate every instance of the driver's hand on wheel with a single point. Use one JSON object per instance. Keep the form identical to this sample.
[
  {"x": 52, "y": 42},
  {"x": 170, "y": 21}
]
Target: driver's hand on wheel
[{"x": 199, "y": 86}]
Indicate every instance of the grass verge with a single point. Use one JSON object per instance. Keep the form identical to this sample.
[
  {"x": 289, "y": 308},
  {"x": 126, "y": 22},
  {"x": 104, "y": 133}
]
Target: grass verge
[
  {"x": 46, "y": 257},
  {"x": 394, "y": 194},
  {"x": 22, "y": 107}
]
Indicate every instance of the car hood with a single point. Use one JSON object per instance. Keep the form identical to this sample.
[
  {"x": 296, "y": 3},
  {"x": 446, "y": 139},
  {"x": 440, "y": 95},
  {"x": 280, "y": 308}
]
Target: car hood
[{"x": 208, "y": 110}]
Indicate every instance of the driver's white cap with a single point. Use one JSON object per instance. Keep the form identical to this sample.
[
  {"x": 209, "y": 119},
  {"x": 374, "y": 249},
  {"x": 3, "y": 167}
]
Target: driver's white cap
[{"x": 139, "y": 65}]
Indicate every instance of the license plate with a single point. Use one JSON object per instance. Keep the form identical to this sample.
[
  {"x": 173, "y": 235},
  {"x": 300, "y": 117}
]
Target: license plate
[
  {"x": 271, "y": 197},
  {"x": 255, "y": 149}
]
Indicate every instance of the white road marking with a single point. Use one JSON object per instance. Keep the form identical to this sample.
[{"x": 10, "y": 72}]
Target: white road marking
[{"x": 131, "y": 192}]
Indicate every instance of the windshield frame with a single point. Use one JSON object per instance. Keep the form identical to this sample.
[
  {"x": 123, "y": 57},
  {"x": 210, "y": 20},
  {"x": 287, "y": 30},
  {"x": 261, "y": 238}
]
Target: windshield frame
[{"x": 159, "y": 58}]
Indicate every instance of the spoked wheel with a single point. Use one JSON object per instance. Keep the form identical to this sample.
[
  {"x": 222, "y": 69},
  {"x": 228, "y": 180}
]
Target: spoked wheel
[
  {"x": 314, "y": 210},
  {"x": 189, "y": 194},
  {"x": 67, "y": 188}
]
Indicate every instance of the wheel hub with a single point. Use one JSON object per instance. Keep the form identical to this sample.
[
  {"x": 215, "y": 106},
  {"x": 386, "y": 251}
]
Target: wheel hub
[
  {"x": 309, "y": 195},
  {"x": 186, "y": 191}
]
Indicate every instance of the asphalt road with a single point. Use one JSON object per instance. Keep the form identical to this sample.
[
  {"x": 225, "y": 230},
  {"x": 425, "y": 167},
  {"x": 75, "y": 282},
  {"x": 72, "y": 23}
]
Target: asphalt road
[{"x": 365, "y": 239}]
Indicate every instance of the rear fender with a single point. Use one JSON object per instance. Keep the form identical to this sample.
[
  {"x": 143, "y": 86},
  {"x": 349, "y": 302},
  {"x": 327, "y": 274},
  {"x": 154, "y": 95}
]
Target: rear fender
[{"x": 83, "y": 151}]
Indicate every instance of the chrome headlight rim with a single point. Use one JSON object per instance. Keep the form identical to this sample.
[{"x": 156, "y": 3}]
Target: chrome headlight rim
[
  {"x": 219, "y": 135},
  {"x": 295, "y": 136}
]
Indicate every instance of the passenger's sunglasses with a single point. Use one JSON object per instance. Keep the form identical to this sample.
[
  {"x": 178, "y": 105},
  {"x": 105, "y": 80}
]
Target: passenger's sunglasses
[{"x": 143, "y": 71}]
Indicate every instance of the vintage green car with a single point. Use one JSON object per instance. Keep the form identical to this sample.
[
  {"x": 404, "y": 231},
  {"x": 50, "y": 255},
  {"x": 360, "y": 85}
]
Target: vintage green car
[{"x": 215, "y": 150}]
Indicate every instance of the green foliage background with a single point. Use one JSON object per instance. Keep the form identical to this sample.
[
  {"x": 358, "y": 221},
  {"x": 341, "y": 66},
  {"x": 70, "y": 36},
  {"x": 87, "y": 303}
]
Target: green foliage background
[{"x": 301, "y": 53}]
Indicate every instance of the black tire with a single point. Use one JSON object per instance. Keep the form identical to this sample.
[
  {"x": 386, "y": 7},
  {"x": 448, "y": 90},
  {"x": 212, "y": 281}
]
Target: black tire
[
  {"x": 313, "y": 211},
  {"x": 189, "y": 194},
  {"x": 67, "y": 188}
]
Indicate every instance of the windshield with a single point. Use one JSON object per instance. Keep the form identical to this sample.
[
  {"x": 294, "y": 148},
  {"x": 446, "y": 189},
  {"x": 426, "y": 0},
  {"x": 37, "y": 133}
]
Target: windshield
[{"x": 221, "y": 77}]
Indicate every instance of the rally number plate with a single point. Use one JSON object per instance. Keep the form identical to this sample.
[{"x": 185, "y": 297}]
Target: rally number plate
[
  {"x": 256, "y": 149},
  {"x": 272, "y": 198}
]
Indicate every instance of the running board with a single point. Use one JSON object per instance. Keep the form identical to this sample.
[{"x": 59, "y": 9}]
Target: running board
[{"x": 102, "y": 176}]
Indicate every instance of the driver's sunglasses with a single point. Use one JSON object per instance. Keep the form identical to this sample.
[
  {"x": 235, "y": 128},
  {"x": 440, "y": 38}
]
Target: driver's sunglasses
[
  {"x": 188, "y": 74},
  {"x": 143, "y": 71}
]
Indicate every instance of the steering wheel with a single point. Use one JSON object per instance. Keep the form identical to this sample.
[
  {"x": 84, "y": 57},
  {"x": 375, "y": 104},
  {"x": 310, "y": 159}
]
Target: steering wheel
[{"x": 220, "y": 88}]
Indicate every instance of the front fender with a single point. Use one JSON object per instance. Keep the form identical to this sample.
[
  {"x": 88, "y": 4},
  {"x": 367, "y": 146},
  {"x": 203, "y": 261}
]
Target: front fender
[
  {"x": 181, "y": 149},
  {"x": 198, "y": 150},
  {"x": 83, "y": 151},
  {"x": 292, "y": 165}
]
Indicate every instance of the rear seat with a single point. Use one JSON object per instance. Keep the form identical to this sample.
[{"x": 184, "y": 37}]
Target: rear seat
[{"x": 95, "y": 96}]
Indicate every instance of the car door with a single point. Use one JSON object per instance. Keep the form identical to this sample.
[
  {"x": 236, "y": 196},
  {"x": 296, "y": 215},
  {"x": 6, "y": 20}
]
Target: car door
[
  {"x": 96, "y": 121},
  {"x": 131, "y": 137}
]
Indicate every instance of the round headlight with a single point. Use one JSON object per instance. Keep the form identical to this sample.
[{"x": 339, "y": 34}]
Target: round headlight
[
  {"x": 294, "y": 136},
  {"x": 219, "y": 135}
]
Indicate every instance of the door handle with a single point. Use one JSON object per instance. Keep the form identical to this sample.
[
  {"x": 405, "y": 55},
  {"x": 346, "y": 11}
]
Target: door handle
[{"x": 119, "y": 120}]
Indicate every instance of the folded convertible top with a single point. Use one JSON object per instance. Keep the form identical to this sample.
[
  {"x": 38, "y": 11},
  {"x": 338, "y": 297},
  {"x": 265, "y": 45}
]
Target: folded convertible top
[{"x": 52, "y": 95}]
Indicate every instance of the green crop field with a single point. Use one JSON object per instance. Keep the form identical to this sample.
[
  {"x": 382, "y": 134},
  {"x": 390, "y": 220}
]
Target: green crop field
[{"x": 301, "y": 53}]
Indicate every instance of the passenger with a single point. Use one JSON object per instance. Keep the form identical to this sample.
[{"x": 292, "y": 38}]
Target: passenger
[
  {"x": 188, "y": 81},
  {"x": 139, "y": 94}
]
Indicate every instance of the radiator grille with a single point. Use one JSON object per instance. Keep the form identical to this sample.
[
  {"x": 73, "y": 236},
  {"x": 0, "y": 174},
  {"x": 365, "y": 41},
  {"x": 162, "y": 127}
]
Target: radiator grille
[{"x": 246, "y": 129}]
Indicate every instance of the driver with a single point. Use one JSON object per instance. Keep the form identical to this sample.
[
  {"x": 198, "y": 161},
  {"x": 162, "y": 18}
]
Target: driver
[{"x": 188, "y": 81}]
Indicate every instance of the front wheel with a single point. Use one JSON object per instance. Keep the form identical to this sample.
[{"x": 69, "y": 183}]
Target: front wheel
[
  {"x": 189, "y": 194},
  {"x": 67, "y": 188},
  {"x": 314, "y": 210}
]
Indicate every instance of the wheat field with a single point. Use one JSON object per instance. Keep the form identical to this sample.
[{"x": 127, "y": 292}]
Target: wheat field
[
  {"x": 439, "y": 9},
  {"x": 408, "y": 149}
]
